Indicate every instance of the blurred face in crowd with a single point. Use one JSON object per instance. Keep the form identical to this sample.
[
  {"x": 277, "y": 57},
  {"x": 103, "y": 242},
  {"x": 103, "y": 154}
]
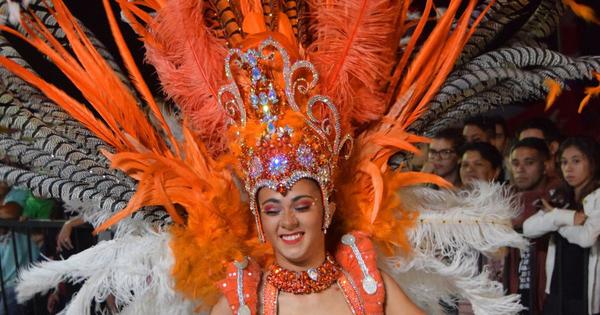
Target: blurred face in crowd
[
  {"x": 575, "y": 167},
  {"x": 539, "y": 134},
  {"x": 531, "y": 133},
  {"x": 442, "y": 157},
  {"x": 474, "y": 167},
  {"x": 292, "y": 223},
  {"x": 473, "y": 133},
  {"x": 500, "y": 138},
  {"x": 528, "y": 168}
]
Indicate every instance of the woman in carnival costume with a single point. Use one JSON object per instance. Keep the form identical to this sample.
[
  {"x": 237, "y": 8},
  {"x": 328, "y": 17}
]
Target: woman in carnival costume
[{"x": 289, "y": 109}]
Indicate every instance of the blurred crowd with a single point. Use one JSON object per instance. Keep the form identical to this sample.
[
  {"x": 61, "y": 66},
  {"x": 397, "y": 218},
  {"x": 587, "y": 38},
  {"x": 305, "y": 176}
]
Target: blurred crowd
[
  {"x": 557, "y": 181},
  {"x": 21, "y": 246}
]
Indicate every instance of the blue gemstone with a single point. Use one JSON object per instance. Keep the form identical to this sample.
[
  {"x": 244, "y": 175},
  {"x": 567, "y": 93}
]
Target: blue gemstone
[
  {"x": 251, "y": 59},
  {"x": 278, "y": 165},
  {"x": 256, "y": 74},
  {"x": 264, "y": 100},
  {"x": 273, "y": 96},
  {"x": 271, "y": 127},
  {"x": 253, "y": 99}
]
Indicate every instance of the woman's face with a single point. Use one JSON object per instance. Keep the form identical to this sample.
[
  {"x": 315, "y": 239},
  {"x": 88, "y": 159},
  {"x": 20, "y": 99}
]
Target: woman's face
[
  {"x": 292, "y": 223},
  {"x": 443, "y": 157},
  {"x": 474, "y": 167},
  {"x": 575, "y": 167}
]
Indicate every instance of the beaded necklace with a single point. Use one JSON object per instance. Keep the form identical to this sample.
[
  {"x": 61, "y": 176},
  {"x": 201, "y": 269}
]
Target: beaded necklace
[{"x": 313, "y": 280}]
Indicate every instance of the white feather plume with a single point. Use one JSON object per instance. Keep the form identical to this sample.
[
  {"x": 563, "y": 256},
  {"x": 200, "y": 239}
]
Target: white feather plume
[
  {"x": 135, "y": 269},
  {"x": 452, "y": 230}
]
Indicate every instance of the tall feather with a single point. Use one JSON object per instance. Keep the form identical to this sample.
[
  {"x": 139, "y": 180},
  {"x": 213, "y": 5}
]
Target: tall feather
[
  {"x": 436, "y": 59},
  {"x": 353, "y": 51},
  {"x": 554, "y": 91},
  {"x": 189, "y": 62},
  {"x": 135, "y": 73},
  {"x": 583, "y": 11},
  {"x": 589, "y": 93},
  {"x": 121, "y": 118}
]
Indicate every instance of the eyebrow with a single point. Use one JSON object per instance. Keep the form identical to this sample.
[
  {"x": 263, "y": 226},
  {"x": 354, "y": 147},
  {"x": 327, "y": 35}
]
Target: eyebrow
[
  {"x": 302, "y": 196},
  {"x": 270, "y": 200}
]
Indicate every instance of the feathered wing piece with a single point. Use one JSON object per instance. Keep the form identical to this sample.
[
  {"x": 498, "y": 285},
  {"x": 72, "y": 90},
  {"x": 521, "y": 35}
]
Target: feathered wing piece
[
  {"x": 130, "y": 268},
  {"x": 496, "y": 69},
  {"x": 51, "y": 153},
  {"x": 354, "y": 47},
  {"x": 189, "y": 62},
  {"x": 452, "y": 230}
]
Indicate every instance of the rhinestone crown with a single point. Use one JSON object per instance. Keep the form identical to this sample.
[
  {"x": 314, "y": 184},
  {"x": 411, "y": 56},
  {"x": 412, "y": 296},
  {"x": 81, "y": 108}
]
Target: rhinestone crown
[{"x": 281, "y": 130}]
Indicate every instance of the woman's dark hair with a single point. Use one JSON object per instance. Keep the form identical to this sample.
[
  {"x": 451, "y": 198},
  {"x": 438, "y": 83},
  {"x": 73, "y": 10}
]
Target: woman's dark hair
[
  {"x": 453, "y": 135},
  {"x": 590, "y": 148},
  {"x": 486, "y": 150}
]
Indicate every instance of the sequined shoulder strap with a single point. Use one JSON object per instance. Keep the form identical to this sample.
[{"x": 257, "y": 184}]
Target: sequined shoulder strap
[
  {"x": 240, "y": 287},
  {"x": 358, "y": 258}
]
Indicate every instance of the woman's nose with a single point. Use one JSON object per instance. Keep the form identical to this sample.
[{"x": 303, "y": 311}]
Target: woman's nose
[{"x": 289, "y": 220}]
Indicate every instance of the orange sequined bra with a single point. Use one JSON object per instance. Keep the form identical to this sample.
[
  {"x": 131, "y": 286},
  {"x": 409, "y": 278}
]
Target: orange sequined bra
[{"x": 248, "y": 290}]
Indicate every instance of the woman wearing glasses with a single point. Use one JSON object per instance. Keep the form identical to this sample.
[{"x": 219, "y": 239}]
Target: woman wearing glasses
[{"x": 442, "y": 157}]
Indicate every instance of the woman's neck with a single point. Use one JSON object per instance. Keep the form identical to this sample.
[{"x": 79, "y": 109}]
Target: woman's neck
[
  {"x": 579, "y": 190},
  {"x": 301, "y": 265},
  {"x": 453, "y": 178}
]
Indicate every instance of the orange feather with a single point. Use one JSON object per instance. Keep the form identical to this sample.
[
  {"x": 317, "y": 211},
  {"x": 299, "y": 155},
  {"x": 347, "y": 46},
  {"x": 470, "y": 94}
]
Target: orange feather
[{"x": 553, "y": 93}]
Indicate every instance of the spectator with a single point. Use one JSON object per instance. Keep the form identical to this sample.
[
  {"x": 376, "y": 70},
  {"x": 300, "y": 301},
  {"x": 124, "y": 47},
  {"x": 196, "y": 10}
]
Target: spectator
[
  {"x": 14, "y": 202},
  {"x": 500, "y": 140},
  {"x": 14, "y": 251},
  {"x": 524, "y": 269},
  {"x": 529, "y": 162},
  {"x": 480, "y": 161},
  {"x": 69, "y": 241},
  {"x": 572, "y": 264},
  {"x": 479, "y": 129},
  {"x": 545, "y": 129},
  {"x": 443, "y": 155}
]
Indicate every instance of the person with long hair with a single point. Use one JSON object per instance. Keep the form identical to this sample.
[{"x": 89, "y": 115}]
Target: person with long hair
[{"x": 572, "y": 266}]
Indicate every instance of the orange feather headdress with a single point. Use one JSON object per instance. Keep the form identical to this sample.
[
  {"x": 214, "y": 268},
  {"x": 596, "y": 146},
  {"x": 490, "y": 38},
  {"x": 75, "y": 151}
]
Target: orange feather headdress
[{"x": 281, "y": 131}]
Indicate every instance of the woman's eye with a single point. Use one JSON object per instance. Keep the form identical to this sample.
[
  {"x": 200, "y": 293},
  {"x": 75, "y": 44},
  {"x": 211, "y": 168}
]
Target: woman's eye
[
  {"x": 303, "y": 206},
  {"x": 271, "y": 210}
]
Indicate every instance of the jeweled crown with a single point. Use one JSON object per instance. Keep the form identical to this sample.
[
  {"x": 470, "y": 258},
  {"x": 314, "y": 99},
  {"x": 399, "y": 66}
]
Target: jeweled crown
[{"x": 281, "y": 130}]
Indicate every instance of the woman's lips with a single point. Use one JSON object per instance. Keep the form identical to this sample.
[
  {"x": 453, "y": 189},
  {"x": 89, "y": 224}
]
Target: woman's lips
[{"x": 291, "y": 239}]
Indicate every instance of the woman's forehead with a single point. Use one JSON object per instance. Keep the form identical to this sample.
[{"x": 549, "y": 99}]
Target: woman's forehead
[
  {"x": 304, "y": 186},
  {"x": 572, "y": 151}
]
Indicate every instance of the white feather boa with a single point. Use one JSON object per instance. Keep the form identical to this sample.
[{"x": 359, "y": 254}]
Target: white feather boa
[
  {"x": 134, "y": 268},
  {"x": 452, "y": 230}
]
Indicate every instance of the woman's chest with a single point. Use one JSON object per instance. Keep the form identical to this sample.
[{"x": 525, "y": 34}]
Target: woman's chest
[{"x": 329, "y": 302}]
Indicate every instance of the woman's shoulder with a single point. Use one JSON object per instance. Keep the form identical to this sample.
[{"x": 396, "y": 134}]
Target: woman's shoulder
[
  {"x": 240, "y": 287},
  {"x": 591, "y": 202},
  {"x": 358, "y": 258}
]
